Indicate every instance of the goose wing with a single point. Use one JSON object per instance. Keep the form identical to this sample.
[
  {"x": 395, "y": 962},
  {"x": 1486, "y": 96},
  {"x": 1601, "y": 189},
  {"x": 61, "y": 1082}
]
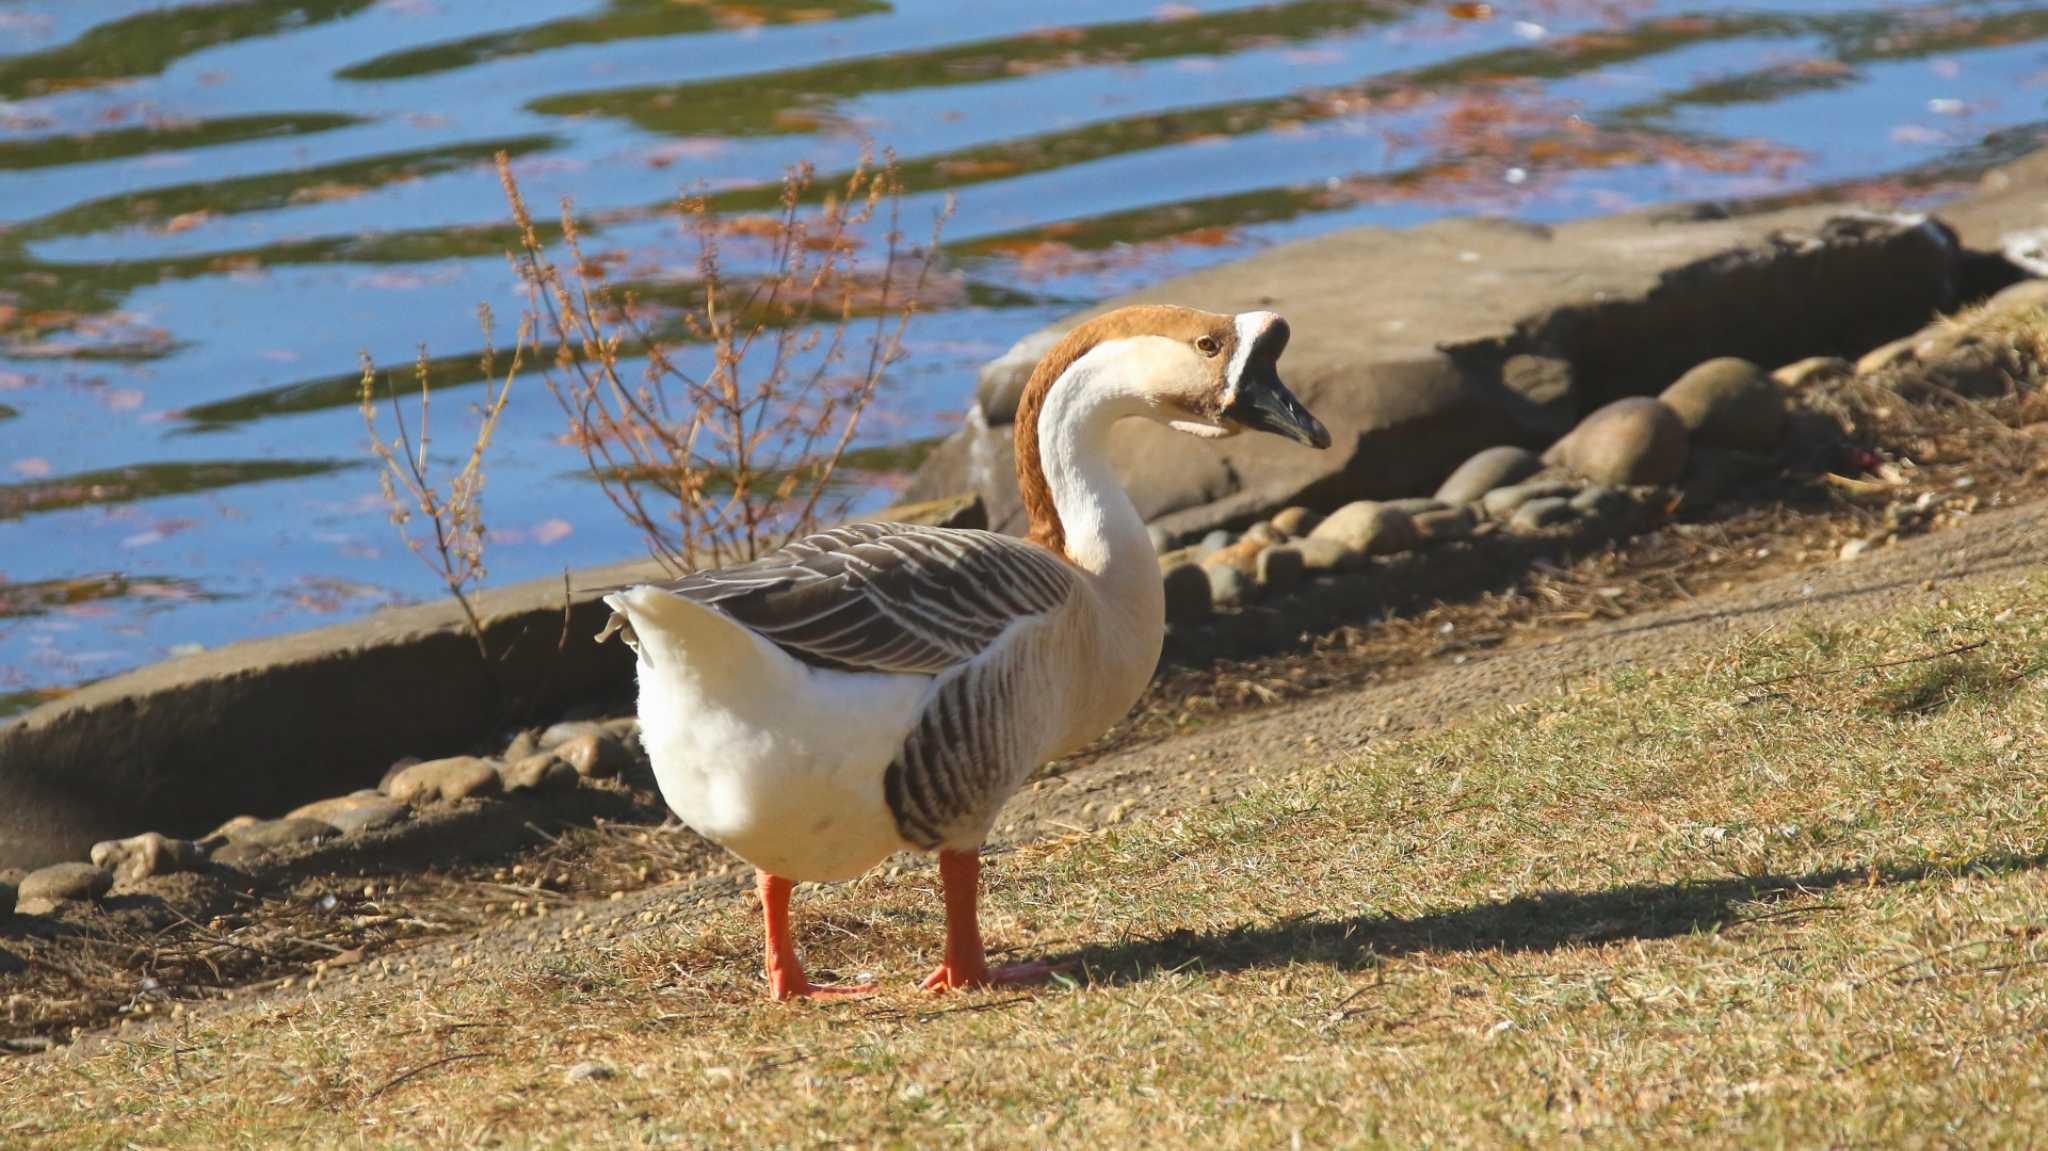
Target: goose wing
[{"x": 886, "y": 597}]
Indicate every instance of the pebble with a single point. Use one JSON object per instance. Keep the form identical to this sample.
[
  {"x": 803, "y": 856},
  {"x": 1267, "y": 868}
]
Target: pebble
[
  {"x": 62, "y": 881},
  {"x": 1636, "y": 440},
  {"x": 596, "y": 755},
  {"x": 543, "y": 773},
  {"x": 357, "y": 811},
  {"x": 1855, "y": 548},
  {"x": 1729, "y": 403},
  {"x": 524, "y": 744},
  {"x": 567, "y": 730},
  {"x": 1415, "y": 505},
  {"x": 1264, "y": 533},
  {"x": 1326, "y": 555},
  {"x": 1368, "y": 528},
  {"x": 1540, "y": 513},
  {"x": 1242, "y": 555},
  {"x": 229, "y": 828},
  {"x": 1487, "y": 470},
  {"x": 585, "y": 1071},
  {"x": 271, "y": 833},
  {"x": 1599, "y": 502},
  {"x": 1280, "y": 569},
  {"x": 1502, "y": 503},
  {"x": 1226, "y": 585},
  {"x": 1813, "y": 370},
  {"x": 1448, "y": 524},
  {"x": 445, "y": 780},
  {"x": 1295, "y": 522},
  {"x": 1187, "y": 593},
  {"x": 151, "y": 853},
  {"x": 1212, "y": 543}
]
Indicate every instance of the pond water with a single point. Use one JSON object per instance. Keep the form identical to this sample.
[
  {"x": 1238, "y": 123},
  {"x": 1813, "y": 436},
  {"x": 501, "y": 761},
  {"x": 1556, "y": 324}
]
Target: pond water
[{"x": 208, "y": 210}]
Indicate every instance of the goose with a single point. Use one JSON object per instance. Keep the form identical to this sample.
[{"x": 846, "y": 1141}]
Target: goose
[{"x": 879, "y": 687}]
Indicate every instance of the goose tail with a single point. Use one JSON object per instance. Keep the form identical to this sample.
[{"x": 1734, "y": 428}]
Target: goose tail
[{"x": 673, "y": 636}]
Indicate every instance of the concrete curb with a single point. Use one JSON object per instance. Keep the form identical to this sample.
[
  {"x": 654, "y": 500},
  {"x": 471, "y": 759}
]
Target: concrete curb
[{"x": 266, "y": 725}]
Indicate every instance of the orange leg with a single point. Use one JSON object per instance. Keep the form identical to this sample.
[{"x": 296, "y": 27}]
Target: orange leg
[
  {"x": 966, "y": 965},
  {"x": 785, "y": 972}
]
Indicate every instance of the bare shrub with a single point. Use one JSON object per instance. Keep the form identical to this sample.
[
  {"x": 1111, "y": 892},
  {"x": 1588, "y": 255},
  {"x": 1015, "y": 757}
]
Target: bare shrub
[
  {"x": 739, "y": 456},
  {"x": 452, "y": 542}
]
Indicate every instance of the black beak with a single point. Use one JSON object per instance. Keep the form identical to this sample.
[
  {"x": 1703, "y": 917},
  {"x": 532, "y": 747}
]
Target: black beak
[{"x": 1264, "y": 404}]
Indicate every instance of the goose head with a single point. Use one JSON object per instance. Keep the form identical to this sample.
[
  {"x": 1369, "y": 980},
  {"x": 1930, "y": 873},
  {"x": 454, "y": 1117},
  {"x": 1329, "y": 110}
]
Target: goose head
[{"x": 1203, "y": 373}]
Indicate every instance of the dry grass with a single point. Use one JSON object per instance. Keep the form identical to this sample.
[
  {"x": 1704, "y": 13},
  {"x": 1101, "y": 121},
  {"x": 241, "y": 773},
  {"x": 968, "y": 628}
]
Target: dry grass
[{"x": 1751, "y": 899}]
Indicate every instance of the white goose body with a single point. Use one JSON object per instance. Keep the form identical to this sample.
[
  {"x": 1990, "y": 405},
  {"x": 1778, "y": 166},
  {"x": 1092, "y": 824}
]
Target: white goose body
[{"x": 878, "y": 687}]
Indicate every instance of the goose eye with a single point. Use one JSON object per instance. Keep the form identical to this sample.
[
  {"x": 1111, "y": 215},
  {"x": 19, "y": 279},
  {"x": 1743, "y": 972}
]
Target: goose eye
[{"x": 1208, "y": 346}]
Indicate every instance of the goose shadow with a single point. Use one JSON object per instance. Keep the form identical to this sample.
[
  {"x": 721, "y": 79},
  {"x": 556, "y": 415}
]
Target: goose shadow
[{"x": 1538, "y": 921}]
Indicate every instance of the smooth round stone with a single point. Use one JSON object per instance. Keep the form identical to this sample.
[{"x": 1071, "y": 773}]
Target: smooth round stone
[
  {"x": 444, "y": 780},
  {"x": 1501, "y": 503},
  {"x": 360, "y": 811},
  {"x": 274, "y": 833},
  {"x": 543, "y": 773},
  {"x": 1326, "y": 555},
  {"x": 1264, "y": 533},
  {"x": 999, "y": 385},
  {"x": 1212, "y": 543},
  {"x": 1449, "y": 524},
  {"x": 1729, "y": 403},
  {"x": 1415, "y": 505},
  {"x": 1280, "y": 569},
  {"x": 595, "y": 756},
  {"x": 62, "y": 881},
  {"x": 567, "y": 730},
  {"x": 524, "y": 744},
  {"x": 1369, "y": 528},
  {"x": 1637, "y": 440},
  {"x": 151, "y": 853},
  {"x": 230, "y": 827},
  {"x": 1227, "y": 585},
  {"x": 1599, "y": 502},
  {"x": 1813, "y": 370},
  {"x": 1242, "y": 555},
  {"x": 1187, "y": 593},
  {"x": 1295, "y": 522},
  {"x": 1541, "y": 512},
  {"x": 1487, "y": 470}
]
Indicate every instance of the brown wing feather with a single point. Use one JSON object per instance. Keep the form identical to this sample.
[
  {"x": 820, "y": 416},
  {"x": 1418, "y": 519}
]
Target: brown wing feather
[{"x": 886, "y": 597}]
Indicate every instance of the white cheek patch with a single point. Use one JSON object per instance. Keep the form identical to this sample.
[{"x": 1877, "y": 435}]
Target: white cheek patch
[
  {"x": 1206, "y": 431},
  {"x": 1250, "y": 326}
]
